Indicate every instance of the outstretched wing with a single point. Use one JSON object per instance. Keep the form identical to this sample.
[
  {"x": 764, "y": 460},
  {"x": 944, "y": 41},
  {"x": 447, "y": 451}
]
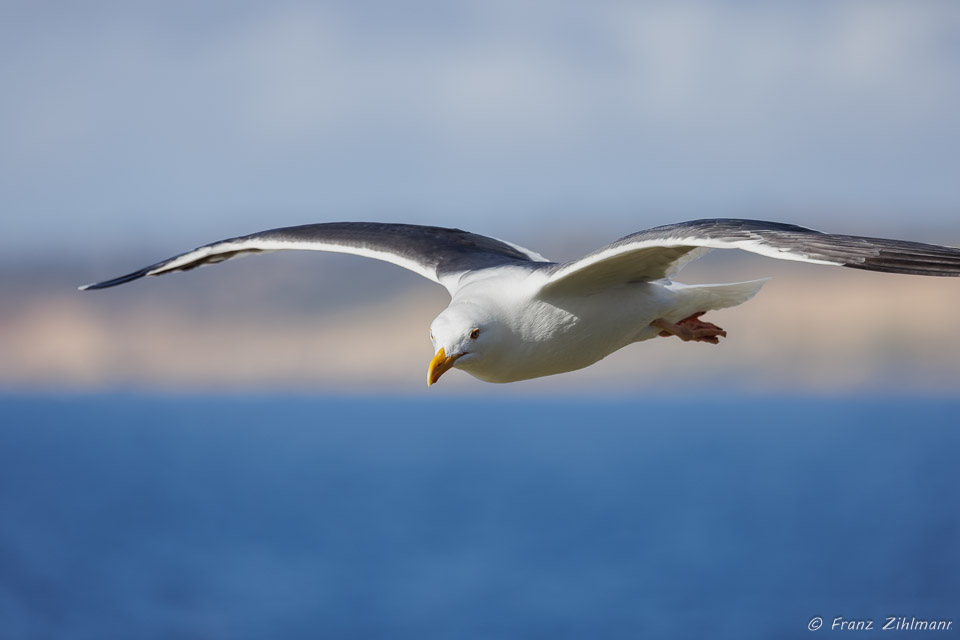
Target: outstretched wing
[
  {"x": 436, "y": 253},
  {"x": 660, "y": 252}
]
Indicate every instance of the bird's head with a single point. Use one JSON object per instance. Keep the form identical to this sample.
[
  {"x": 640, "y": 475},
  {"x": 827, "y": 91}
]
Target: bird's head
[{"x": 464, "y": 336}]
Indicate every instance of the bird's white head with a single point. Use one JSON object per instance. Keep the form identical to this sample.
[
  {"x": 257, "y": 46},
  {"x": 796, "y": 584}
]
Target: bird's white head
[{"x": 464, "y": 336}]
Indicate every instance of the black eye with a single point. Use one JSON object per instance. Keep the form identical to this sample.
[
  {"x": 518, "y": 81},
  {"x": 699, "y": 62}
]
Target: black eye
[{"x": 475, "y": 334}]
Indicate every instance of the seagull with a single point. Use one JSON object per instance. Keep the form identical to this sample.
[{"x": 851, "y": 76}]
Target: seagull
[{"x": 514, "y": 315}]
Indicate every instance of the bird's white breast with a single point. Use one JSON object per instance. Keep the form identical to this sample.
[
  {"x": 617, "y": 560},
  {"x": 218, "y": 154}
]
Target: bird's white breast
[{"x": 556, "y": 334}]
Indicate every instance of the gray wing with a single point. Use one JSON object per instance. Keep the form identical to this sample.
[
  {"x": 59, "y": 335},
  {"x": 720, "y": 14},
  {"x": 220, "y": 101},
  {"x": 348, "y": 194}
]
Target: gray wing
[
  {"x": 436, "y": 253},
  {"x": 660, "y": 252}
]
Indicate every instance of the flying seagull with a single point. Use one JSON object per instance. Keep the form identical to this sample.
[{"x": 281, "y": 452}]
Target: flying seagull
[{"x": 514, "y": 315}]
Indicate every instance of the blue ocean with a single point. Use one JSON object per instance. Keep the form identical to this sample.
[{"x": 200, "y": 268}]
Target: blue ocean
[{"x": 127, "y": 516}]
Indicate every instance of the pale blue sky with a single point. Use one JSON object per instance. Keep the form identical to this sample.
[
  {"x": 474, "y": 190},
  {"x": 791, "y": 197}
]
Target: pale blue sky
[{"x": 179, "y": 122}]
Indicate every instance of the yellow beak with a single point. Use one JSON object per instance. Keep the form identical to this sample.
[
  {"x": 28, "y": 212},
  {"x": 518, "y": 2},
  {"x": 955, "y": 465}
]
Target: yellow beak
[{"x": 440, "y": 365}]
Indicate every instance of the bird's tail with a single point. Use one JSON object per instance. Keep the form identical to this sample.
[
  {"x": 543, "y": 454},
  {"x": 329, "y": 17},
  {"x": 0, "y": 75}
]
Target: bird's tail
[{"x": 709, "y": 297}]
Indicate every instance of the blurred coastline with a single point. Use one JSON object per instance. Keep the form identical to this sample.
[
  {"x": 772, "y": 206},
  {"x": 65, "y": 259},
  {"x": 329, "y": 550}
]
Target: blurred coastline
[{"x": 317, "y": 323}]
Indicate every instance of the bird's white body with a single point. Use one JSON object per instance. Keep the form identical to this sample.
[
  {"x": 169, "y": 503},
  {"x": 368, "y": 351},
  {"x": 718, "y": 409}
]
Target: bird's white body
[{"x": 530, "y": 333}]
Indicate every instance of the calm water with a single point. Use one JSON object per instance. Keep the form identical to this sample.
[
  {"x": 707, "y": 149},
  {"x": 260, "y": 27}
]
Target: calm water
[{"x": 223, "y": 517}]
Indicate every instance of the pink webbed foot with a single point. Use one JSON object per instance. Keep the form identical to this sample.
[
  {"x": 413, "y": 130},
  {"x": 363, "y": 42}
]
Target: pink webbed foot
[{"x": 691, "y": 329}]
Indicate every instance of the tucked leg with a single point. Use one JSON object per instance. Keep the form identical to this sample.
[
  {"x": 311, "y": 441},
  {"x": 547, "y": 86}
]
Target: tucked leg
[{"x": 691, "y": 329}]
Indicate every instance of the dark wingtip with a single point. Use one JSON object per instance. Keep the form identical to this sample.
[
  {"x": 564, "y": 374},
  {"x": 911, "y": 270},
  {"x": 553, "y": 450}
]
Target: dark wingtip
[{"x": 136, "y": 275}]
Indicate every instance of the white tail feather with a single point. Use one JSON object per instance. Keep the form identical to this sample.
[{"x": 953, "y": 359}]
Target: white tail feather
[{"x": 710, "y": 297}]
